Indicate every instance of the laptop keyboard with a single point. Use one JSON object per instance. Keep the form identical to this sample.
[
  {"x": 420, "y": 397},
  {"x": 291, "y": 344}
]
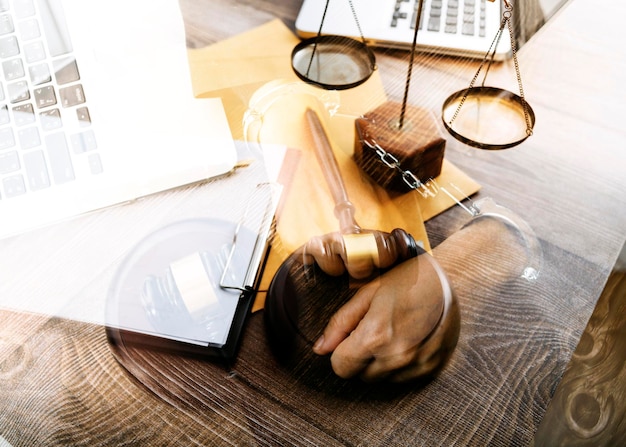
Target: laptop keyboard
[
  {"x": 45, "y": 124},
  {"x": 465, "y": 17}
]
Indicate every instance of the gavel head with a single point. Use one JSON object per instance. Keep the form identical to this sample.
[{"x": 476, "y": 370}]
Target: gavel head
[
  {"x": 330, "y": 270},
  {"x": 359, "y": 254}
]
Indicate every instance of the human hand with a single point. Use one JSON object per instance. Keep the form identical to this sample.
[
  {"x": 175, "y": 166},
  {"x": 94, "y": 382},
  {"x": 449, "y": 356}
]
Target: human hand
[
  {"x": 359, "y": 254},
  {"x": 400, "y": 326},
  {"x": 378, "y": 334}
]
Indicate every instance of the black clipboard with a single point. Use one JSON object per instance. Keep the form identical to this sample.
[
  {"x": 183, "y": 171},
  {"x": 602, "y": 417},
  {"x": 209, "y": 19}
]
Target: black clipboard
[{"x": 146, "y": 305}]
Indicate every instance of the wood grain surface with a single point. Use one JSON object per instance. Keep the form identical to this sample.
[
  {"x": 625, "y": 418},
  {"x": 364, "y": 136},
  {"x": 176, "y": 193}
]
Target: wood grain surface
[
  {"x": 588, "y": 408},
  {"x": 62, "y": 383}
]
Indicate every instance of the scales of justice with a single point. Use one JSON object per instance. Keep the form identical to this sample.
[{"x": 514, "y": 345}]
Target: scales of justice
[
  {"x": 481, "y": 116},
  {"x": 395, "y": 147}
]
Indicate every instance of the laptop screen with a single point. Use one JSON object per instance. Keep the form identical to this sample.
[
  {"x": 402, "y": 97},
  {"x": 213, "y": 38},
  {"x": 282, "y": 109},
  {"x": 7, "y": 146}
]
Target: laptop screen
[{"x": 530, "y": 15}]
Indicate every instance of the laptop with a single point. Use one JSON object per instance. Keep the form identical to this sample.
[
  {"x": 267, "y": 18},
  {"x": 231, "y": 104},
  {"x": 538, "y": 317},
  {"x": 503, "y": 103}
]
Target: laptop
[
  {"x": 464, "y": 28},
  {"x": 97, "y": 108}
]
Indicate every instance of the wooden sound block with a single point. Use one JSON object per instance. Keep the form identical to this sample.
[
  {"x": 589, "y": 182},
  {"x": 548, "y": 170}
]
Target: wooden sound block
[{"x": 418, "y": 145}]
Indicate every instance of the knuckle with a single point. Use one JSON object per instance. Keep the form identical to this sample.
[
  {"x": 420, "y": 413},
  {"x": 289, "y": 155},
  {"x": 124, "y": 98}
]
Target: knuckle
[
  {"x": 339, "y": 324},
  {"x": 340, "y": 368},
  {"x": 376, "y": 336}
]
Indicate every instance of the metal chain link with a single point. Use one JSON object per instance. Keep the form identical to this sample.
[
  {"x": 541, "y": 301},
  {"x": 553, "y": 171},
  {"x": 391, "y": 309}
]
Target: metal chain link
[{"x": 426, "y": 189}]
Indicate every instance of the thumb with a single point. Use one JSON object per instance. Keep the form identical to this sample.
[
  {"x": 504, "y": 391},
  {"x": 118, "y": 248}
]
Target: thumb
[{"x": 344, "y": 321}]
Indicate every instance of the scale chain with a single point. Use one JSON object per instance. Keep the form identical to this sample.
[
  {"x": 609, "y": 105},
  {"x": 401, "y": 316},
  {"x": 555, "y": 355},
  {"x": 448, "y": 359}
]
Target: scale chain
[
  {"x": 529, "y": 127},
  {"x": 488, "y": 59},
  {"x": 356, "y": 19}
]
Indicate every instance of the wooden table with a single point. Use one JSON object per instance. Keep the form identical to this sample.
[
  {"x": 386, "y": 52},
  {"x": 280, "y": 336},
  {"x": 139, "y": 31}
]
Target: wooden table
[{"x": 60, "y": 383}]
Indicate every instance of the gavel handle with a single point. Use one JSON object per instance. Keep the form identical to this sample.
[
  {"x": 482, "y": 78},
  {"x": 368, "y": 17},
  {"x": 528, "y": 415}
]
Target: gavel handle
[{"x": 344, "y": 209}]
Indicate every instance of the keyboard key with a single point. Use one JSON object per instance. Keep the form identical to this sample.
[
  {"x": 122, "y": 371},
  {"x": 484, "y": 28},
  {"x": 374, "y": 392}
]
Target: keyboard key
[
  {"x": 95, "y": 164},
  {"x": 36, "y": 170},
  {"x": 84, "y": 142},
  {"x": 59, "y": 156},
  {"x": 29, "y": 29},
  {"x": 13, "y": 69},
  {"x": 14, "y": 185},
  {"x": 18, "y": 92},
  {"x": 24, "y": 8},
  {"x": 7, "y": 138},
  {"x": 29, "y": 137},
  {"x": 9, "y": 47},
  {"x": 9, "y": 162},
  {"x": 66, "y": 71},
  {"x": 4, "y": 114},
  {"x": 434, "y": 24},
  {"x": 34, "y": 51},
  {"x": 45, "y": 96},
  {"x": 6, "y": 24},
  {"x": 50, "y": 119},
  {"x": 40, "y": 73},
  {"x": 399, "y": 15},
  {"x": 414, "y": 19},
  {"x": 71, "y": 96},
  {"x": 83, "y": 116},
  {"x": 468, "y": 29},
  {"x": 23, "y": 114}
]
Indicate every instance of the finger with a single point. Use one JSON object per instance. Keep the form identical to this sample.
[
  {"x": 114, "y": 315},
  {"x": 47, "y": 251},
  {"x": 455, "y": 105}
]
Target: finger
[
  {"x": 360, "y": 254},
  {"x": 344, "y": 321},
  {"x": 399, "y": 366},
  {"x": 348, "y": 367},
  {"x": 387, "y": 366},
  {"x": 416, "y": 370},
  {"x": 387, "y": 251},
  {"x": 324, "y": 250},
  {"x": 360, "y": 268},
  {"x": 351, "y": 357}
]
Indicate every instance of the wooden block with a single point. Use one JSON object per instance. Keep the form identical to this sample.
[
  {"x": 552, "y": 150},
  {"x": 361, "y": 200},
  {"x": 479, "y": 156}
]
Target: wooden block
[{"x": 418, "y": 145}]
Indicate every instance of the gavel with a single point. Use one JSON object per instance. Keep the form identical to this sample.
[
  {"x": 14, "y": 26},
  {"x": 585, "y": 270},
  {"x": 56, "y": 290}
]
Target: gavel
[{"x": 329, "y": 270}]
